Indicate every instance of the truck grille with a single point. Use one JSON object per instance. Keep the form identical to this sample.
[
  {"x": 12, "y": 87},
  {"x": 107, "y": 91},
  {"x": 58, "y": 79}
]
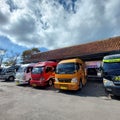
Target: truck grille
[
  {"x": 117, "y": 83},
  {"x": 65, "y": 80}
]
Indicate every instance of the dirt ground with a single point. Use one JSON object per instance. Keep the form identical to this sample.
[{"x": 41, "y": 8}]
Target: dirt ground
[{"x": 27, "y": 103}]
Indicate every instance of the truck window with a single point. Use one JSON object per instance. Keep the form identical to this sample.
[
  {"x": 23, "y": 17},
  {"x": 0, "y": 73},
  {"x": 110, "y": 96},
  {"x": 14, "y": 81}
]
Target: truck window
[
  {"x": 48, "y": 69},
  {"x": 29, "y": 69},
  {"x": 78, "y": 66},
  {"x": 8, "y": 71},
  {"x": 111, "y": 69},
  {"x": 111, "y": 66},
  {"x": 37, "y": 70},
  {"x": 3, "y": 70},
  {"x": 21, "y": 69},
  {"x": 68, "y": 68}
]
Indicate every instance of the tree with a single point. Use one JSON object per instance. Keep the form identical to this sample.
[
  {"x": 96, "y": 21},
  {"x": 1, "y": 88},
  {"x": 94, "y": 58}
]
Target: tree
[
  {"x": 26, "y": 55},
  {"x": 11, "y": 59}
]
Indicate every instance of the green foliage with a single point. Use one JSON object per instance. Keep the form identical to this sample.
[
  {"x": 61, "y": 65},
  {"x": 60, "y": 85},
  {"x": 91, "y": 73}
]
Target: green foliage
[
  {"x": 28, "y": 53},
  {"x": 11, "y": 59}
]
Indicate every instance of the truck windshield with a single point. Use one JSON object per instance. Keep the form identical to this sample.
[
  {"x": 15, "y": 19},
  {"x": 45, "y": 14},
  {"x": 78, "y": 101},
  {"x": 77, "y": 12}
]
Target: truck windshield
[
  {"x": 21, "y": 69},
  {"x": 4, "y": 70},
  {"x": 37, "y": 70},
  {"x": 111, "y": 69},
  {"x": 112, "y": 66},
  {"x": 65, "y": 68}
]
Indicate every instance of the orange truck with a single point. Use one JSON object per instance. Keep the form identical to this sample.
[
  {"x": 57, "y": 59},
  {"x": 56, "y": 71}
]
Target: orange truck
[
  {"x": 70, "y": 74},
  {"x": 43, "y": 74}
]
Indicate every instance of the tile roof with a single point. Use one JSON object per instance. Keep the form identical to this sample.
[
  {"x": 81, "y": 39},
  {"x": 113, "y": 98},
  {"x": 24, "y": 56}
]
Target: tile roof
[{"x": 101, "y": 46}]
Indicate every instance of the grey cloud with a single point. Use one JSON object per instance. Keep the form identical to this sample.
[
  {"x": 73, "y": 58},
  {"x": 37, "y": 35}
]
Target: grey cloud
[
  {"x": 4, "y": 19},
  {"x": 23, "y": 26},
  {"x": 52, "y": 24},
  {"x": 12, "y": 5},
  {"x": 68, "y": 5}
]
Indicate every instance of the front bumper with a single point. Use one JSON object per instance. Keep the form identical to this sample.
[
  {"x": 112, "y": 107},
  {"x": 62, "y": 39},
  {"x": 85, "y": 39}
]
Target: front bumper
[
  {"x": 110, "y": 87},
  {"x": 115, "y": 90},
  {"x": 36, "y": 83},
  {"x": 21, "y": 82},
  {"x": 66, "y": 86}
]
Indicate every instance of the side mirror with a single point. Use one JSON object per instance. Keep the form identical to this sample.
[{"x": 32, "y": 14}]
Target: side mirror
[{"x": 48, "y": 69}]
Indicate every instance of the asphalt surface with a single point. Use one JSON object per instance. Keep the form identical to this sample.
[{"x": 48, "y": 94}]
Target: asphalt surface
[{"x": 27, "y": 103}]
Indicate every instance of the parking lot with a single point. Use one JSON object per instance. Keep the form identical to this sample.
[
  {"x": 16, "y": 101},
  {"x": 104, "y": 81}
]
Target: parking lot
[{"x": 27, "y": 103}]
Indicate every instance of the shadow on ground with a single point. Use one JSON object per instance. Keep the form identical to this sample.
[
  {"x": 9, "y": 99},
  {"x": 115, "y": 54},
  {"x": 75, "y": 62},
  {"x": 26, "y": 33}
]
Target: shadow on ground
[{"x": 92, "y": 88}]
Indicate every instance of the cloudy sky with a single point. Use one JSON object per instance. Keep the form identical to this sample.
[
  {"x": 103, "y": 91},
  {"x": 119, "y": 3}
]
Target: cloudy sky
[{"x": 51, "y": 24}]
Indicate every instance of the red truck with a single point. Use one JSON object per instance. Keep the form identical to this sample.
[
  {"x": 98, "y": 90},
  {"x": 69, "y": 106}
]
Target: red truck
[{"x": 43, "y": 74}]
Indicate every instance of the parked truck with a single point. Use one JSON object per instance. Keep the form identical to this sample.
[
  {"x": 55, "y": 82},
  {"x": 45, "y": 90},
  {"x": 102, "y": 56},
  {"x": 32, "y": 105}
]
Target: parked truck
[
  {"x": 43, "y": 74},
  {"x": 111, "y": 74},
  {"x": 9, "y": 73},
  {"x": 23, "y": 75},
  {"x": 70, "y": 74}
]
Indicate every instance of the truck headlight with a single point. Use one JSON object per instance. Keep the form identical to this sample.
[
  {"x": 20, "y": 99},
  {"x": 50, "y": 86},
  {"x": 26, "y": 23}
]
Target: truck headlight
[
  {"x": 108, "y": 82},
  {"x": 56, "y": 79},
  {"x": 74, "y": 80}
]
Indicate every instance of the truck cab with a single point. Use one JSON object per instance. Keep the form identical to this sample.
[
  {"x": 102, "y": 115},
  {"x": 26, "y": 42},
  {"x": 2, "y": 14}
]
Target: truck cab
[
  {"x": 70, "y": 74},
  {"x": 43, "y": 74},
  {"x": 111, "y": 74},
  {"x": 23, "y": 75},
  {"x": 9, "y": 73}
]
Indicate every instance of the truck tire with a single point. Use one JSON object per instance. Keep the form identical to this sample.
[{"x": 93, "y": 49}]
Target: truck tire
[
  {"x": 11, "y": 78},
  {"x": 106, "y": 92},
  {"x": 80, "y": 85},
  {"x": 50, "y": 82}
]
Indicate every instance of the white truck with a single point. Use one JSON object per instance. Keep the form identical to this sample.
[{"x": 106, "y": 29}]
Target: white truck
[
  {"x": 8, "y": 74},
  {"x": 23, "y": 75}
]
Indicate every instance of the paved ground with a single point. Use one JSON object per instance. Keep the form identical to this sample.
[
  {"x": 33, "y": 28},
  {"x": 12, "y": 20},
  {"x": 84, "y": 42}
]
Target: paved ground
[{"x": 26, "y": 103}]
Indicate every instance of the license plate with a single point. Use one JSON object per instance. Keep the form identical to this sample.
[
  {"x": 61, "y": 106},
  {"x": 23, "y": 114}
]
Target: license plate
[
  {"x": 63, "y": 87},
  {"x": 34, "y": 85}
]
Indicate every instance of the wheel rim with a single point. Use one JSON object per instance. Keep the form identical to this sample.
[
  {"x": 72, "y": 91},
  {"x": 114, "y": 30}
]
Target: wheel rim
[
  {"x": 11, "y": 78},
  {"x": 50, "y": 82}
]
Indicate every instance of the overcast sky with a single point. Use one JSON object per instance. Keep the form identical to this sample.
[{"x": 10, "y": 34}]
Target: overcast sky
[{"x": 54, "y": 24}]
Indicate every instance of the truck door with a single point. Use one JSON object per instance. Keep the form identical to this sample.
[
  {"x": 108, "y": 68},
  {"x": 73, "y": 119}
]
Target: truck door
[{"x": 48, "y": 71}]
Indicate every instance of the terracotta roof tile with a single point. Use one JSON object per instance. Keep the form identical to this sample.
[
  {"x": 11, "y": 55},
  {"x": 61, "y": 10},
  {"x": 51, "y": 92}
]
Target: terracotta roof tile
[{"x": 111, "y": 44}]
